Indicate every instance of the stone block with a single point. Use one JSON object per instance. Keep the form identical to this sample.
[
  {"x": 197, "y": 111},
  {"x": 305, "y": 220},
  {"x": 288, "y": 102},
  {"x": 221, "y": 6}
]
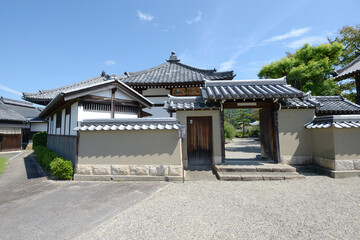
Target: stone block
[
  {"x": 84, "y": 169},
  {"x": 175, "y": 170},
  {"x": 297, "y": 160},
  {"x": 120, "y": 170},
  {"x": 357, "y": 164},
  {"x": 344, "y": 165},
  {"x": 157, "y": 170},
  {"x": 139, "y": 170},
  {"x": 101, "y": 170},
  {"x": 325, "y": 162}
]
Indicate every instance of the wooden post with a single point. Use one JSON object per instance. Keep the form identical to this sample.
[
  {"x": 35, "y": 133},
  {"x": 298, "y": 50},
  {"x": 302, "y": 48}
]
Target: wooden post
[
  {"x": 222, "y": 134},
  {"x": 112, "y": 103},
  {"x": 276, "y": 136},
  {"x": 357, "y": 83}
]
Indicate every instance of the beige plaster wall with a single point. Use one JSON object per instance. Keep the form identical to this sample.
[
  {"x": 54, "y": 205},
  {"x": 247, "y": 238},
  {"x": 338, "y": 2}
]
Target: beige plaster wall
[
  {"x": 323, "y": 141},
  {"x": 347, "y": 143},
  {"x": 143, "y": 147},
  {"x": 296, "y": 146},
  {"x": 215, "y": 115}
]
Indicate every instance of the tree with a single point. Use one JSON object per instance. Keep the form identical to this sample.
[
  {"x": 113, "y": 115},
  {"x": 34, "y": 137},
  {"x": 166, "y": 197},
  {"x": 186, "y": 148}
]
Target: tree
[
  {"x": 308, "y": 69},
  {"x": 244, "y": 118},
  {"x": 350, "y": 38}
]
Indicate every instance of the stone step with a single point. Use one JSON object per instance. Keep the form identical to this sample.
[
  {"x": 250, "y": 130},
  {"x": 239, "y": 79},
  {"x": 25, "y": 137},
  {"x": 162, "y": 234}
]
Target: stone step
[
  {"x": 258, "y": 176},
  {"x": 270, "y": 167}
]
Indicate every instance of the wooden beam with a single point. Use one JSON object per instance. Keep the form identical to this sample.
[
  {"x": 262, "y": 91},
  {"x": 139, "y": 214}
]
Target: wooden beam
[
  {"x": 222, "y": 135},
  {"x": 112, "y": 103},
  {"x": 242, "y": 104}
]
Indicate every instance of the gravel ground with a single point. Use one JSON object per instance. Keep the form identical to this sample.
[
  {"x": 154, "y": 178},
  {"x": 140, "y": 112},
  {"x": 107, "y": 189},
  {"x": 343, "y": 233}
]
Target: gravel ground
[{"x": 318, "y": 207}]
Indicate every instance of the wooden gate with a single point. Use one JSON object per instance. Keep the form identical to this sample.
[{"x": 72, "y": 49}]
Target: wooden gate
[
  {"x": 199, "y": 141},
  {"x": 10, "y": 142}
]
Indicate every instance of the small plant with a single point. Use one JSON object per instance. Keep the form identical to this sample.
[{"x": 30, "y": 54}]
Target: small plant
[
  {"x": 39, "y": 139},
  {"x": 255, "y": 131},
  {"x": 61, "y": 168},
  {"x": 229, "y": 131}
]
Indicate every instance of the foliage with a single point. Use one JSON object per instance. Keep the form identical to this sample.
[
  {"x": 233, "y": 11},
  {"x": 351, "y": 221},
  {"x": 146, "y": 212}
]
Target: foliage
[
  {"x": 46, "y": 158},
  {"x": 3, "y": 162},
  {"x": 229, "y": 131},
  {"x": 308, "y": 69},
  {"x": 350, "y": 38},
  {"x": 255, "y": 131},
  {"x": 39, "y": 139},
  {"x": 61, "y": 168}
]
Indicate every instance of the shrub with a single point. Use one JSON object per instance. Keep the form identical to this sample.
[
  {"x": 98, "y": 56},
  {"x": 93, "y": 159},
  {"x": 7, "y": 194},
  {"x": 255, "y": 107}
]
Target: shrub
[
  {"x": 39, "y": 139},
  {"x": 229, "y": 131},
  {"x": 255, "y": 131},
  {"x": 61, "y": 168}
]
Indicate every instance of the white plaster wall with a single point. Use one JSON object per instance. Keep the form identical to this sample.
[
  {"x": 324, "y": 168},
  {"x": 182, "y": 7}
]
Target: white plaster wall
[
  {"x": 62, "y": 130},
  {"x": 10, "y": 130},
  {"x": 155, "y": 91},
  {"x": 158, "y": 100},
  {"x": 67, "y": 124},
  {"x": 38, "y": 127},
  {"x": 54, "y": 125},
  {"x": 107, "y": 94},
  {"x": 125, "y": 115},
  {"x": 74, "y": 118},
  {"x": 157, "y": 112}
]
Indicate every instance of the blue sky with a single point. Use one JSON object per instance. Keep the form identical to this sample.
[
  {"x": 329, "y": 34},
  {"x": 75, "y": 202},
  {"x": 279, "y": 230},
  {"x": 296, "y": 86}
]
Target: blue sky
[{"x": 48, "y": 44}]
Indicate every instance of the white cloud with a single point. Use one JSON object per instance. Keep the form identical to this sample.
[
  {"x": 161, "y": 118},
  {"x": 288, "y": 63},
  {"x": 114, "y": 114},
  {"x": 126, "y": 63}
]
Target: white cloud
[
  {"x": 312, "y": 40},
  {"x": 145, "y": 16},
  {"x": 110, "y": 62},
  {"x": 224, "y": 66},
  {"x": 2, "y": 87},
  {"x": 195, "y": 19},
  {"x": 292, "y": 34}
]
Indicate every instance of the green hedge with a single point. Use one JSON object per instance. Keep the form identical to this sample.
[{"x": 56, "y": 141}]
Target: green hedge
[
  {"x": 229, "y": 131},
  {"x": 39, "y": 139},
  {"x": 58, "y": 166}
]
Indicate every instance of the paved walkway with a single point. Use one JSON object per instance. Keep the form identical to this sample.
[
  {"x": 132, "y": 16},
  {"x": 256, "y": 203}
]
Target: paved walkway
[
  {"x": 33, "y": 207},
  {"x": 242, "y": 149}
]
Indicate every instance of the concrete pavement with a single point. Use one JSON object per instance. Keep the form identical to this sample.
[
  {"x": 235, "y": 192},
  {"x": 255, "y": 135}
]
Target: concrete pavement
[{"x": 33, "y": 207}]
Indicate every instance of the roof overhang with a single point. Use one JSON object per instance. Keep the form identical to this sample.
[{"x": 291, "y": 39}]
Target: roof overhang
[{"x": 75, "y": 94}]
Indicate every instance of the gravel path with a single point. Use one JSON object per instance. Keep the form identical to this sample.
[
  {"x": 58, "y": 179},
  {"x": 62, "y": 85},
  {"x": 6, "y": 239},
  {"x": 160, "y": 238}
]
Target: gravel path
[{"x": 315, "y": 208}]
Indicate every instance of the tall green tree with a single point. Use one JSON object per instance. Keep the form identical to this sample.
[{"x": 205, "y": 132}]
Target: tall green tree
[
  {"x": 308, "y": 69},
  {"x": 349, "y": 37}
]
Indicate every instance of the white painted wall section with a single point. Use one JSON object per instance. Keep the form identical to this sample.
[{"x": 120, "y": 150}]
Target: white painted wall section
[
  {"x": 74, "y": 118},
  {"x": 38, "y": 127},
  {"x": 155, "y": 91}
]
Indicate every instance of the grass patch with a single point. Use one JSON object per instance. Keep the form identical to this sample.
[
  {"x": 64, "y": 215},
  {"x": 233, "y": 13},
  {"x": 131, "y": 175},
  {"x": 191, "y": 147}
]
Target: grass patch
[{"x": 3, "y": 162}]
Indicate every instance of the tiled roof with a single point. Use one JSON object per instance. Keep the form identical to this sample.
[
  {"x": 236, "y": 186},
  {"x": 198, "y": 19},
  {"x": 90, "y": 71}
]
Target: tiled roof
[
  {"x": 335, "y": 105},
  {"x": 47, "y": 95},
  {"x": 128, "y": 124},
  {"x": 172, "y": 72},
  {"x": 349, "y": 70},
  {"x": 189, "y": 103},
  {"x": 8, "y": 114},
  {"x": 25, "y": 109},
  {"x": 60, "y": 97},
  {"x": 249, "y": 89},
  {"x": 337, "y": 121},
  {"x": 306, "y": 102},
  {"x": 175, "y": 72}
]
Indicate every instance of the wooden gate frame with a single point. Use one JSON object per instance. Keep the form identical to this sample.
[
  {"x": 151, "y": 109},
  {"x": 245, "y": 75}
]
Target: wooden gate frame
[{"x": 272, "y": 109}]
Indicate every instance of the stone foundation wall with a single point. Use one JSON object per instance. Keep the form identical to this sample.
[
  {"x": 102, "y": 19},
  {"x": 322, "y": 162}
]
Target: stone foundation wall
[
  {"x": 129, "y": 170},
  {"x": 297, "y": 160},
  {"x": 339, "y": 165}
]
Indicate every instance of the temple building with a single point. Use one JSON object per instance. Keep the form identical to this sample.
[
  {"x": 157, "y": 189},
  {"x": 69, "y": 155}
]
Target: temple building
[{"x": 153, "y": 124}]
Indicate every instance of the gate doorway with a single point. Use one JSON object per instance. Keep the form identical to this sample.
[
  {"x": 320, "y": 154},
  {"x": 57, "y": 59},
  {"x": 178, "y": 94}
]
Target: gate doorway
[
  {"x": 199, "y": 141},
  {"x": 264, "y": 146}
]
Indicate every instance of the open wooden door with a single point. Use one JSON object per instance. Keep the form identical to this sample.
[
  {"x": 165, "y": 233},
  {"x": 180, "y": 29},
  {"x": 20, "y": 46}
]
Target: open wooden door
[{"x": 199, "y": 141}]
